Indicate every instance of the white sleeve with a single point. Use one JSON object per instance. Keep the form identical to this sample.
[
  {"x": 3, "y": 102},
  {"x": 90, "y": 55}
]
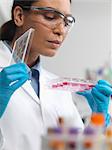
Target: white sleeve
[
  {"x": 82, "y": 105},
  {"x": 1, "y": 140}
]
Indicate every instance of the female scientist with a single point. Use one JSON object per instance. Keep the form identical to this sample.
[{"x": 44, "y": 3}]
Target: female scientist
[{"x": 32, "y": 107}]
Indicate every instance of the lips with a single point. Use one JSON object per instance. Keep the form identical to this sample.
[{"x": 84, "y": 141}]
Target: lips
[{"x": 55, "y": 44}]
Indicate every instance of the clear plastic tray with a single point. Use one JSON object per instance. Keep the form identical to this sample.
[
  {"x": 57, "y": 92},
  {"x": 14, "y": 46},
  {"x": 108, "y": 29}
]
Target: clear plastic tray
[
  {"x": 71, "y": 84},
  {"x": 21, "y": 47}
]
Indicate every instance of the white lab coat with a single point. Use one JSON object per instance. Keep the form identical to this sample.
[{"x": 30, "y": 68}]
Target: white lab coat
[{"x": 27, "y": 117}]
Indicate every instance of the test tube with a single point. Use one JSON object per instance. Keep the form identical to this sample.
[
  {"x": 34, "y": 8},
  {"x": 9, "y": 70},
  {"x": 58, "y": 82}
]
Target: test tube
[
  {"x": 73, "y": 136},
  {"x": 108, "y": 134}
]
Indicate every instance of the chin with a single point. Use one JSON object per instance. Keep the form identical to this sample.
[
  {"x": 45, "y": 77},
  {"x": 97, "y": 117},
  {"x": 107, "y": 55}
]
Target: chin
[{"x": 51, "y": 53}]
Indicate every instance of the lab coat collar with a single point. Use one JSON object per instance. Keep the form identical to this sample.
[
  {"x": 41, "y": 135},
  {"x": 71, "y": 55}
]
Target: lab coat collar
[
  {"x": 44, "y": 78},
  {"x": 30, "y": 91},
  {"x": 27, "y": 86},
  {"x": 43, "y": 82}
]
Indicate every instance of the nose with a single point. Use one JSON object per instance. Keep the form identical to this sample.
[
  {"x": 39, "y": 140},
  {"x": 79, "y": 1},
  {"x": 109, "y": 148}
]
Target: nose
[{"x": 60, "y": 29}]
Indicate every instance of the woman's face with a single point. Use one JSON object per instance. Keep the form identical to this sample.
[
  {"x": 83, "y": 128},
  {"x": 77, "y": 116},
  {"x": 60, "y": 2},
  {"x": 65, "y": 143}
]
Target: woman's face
[{"x": 47, "y": 39}]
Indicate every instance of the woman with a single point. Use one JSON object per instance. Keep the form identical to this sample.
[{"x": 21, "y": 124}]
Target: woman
[{"x": 27, "y": 115}]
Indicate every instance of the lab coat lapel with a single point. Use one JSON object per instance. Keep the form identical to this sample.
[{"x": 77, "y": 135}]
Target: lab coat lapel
[
  {"x": 30, "y": 91},
  {"x": 47, "y": 96}
]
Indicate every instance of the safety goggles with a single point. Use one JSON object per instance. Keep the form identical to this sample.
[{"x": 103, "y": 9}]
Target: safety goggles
[{"x": 52, "y": 17}]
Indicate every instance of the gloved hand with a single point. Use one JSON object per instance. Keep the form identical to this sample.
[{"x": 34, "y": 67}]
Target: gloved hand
[
  {"x": 11, "y": 78},
  {"x": 98, "y": 98}
]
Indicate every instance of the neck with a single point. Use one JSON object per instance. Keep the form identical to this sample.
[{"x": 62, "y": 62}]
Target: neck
[{"x": 31, "y": 64}]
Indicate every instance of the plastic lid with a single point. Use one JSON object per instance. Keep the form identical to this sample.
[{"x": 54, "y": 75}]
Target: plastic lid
[
  {"x": 97, "y": 119},
  {"x": 74, "y": 131},
  {"x": 57, "y": 130},
  {"x": 54, "y": 130},
  {"x": 89, "y": 131}
]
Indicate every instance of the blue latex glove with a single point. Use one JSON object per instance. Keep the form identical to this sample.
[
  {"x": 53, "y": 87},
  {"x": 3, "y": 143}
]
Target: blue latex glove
[
  {"x": 11, "y": 78},
  {"x": 98, "y": 98}
]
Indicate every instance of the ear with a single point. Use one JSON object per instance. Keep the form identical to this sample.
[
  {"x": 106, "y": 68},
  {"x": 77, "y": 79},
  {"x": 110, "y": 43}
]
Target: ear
[{"x": 18, "y": 16}]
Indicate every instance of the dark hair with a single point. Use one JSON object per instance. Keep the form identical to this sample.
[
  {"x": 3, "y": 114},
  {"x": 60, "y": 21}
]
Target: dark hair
[{"x": 7, "y": 30}]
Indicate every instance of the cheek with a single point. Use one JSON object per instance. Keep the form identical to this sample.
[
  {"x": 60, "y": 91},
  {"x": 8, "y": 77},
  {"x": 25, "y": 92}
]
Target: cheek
[
  {"x": 39, "y": 33},
  {"x": 39, "y": 44},
  {"x": 38, "y": 38}
]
